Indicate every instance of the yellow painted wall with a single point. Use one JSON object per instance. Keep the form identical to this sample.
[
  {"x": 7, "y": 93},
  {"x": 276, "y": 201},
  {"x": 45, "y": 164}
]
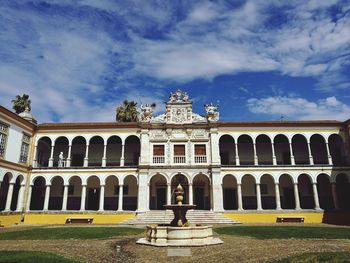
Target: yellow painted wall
[
  {"x": 59, "y": 219},
  {"x": 271, "y": 217},
  {"x": 9, "y": 220}
]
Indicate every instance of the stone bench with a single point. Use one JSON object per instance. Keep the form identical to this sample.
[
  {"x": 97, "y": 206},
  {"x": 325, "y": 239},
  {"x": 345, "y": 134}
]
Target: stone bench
[
  {"x": 79, "y": 220},
  {"x": 290, "y": 219}
]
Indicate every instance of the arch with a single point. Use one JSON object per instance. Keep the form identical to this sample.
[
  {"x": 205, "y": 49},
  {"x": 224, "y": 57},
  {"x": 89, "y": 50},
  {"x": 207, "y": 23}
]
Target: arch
[
  {"x": 229, "y": 189},
  {"x": 182, "y": 173},
  {"x": 267, "y": 190},
  {"x": 227, "y": 150},
  {"x": 286, "y": 185},
  {"x": 201, "y": 192},
  {"x": 300, "y": 149},
  {"x": 18, "y": 183},
  {"x": 113, "y": 151},
  {"x": 61, "y": 145},
  {"x": 306, "y": 194},
  {"x": 343, "y": 191},
  {"x": 337, "y": 149},
  {"x": 96, "y": 148},
  {"x": 38, "y": 193},
  {"x": 93, "y": 193},
  {"x": 245, "y": 150},
  {"x": 4, "y": 189},
  {"x": 157, "y": 192},
  {"x": 74, "y": 193},
  {"x": 324, "y": 189},
  {"x": 78, "y": 151},
  {"x": 130, "y": 193},
  {"x": 183, "y": 180},
  {"x": 132, "y": 150},
  {"x": 56, "y": 193},
  {"x": 248, "y": 192},
  {"x": 264, "y": 149},
  {"x": 44, "y": 145},
  {"x": 318, "y": 149},
  {"x": 111, "y": 193},
  {"x": 282, "y": 149}
]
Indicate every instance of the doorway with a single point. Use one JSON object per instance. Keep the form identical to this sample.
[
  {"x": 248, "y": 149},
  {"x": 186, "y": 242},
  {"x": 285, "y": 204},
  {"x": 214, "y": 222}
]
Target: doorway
[
  {"x": 230, "y": 199},
  {"x": 93, "y": 199},
  {"x": 161, "y": 198},
  {"x": 199, "y": 197}
]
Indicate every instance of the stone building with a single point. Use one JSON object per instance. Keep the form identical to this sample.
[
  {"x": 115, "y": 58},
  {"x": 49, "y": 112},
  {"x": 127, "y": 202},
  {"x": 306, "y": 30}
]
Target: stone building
[{"x": 225, "y": 167}]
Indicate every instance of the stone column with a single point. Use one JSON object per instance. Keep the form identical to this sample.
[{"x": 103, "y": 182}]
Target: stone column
[
  {"x": 102, "y": 198},
  {"x": 236, "y": 153},
  {"x": 143, "y": 191},
  {"x": 83, "y": 197},
  {"x": 217, "y": 190},
  {"x": 9, "y": 197},
  {"x": 20, "y": 198},
  {"x": 292, "y": 159},
  {"x": 144, "y": 151},
  {"x": 239, "y": 197},
  {"x": 214, "y": 145},
  {"x": 168, "y": 191},
  {"x": 274, "y": 160},
  {"x": 122, "y": 156},
  {"x": 258, "y": 197},
  {"x": 47, "y": 197},
  {"x": 29, "y": 197},
  {"x": 310, "y": 155},
  {"x": 51, "y": 156},
  {"x": 104, "y": 157},
  {"x": 86, "y": 159},
  {"x": 330, "y": 161},
  {"x": 256, "y": 162},
  {"x": 317, "y": 202},
  {"x": 120, "y": 200},
  {"x": 190, "y": 193},
  {"x": 335, "y": 196},
  {"x": 35, "y": 164},
  {"x": 65, "y": 198},
  {"x": 277, "y": 196},
  {"x": 69, "y": 158},
  {"x": 296, "y": 195}
]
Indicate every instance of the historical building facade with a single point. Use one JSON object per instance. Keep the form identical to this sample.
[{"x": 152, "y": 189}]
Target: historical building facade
[{"x": 223, "y": 166}]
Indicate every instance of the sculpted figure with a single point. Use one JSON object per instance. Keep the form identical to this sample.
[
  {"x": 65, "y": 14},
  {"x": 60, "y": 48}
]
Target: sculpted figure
[
  {"x": 60, "y": 160},
  {"x": 212, "y": 111},
  {"x": 146, "y": 112}
]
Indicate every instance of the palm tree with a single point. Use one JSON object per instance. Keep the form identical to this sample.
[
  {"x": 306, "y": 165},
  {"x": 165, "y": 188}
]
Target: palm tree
[
  {"x": 127, "y": 112},
  {"x": 21, "y": 103}
]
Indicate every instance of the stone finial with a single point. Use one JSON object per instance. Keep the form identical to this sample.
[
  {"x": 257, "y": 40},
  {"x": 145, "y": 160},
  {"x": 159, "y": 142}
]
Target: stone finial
[
  {"x": 179, "y": 192},
  {"x": 27, "y": 115}
]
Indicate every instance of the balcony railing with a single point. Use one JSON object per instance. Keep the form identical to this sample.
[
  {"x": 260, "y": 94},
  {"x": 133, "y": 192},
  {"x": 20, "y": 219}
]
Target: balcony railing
[
  {"x": 158, "y": 159},
  {"x": 200, "y": 159},
  {"x": 179, "y": 159}
]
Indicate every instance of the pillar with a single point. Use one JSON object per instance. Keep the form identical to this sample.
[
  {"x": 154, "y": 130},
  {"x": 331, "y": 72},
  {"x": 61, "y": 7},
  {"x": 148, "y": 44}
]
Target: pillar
[
  {"x": 335, "y": 197},
  {"x": 83, "y": 197},
  {"x": 144, "y": 151},
  {"x": 330, "y": 161},
  {"x": 47, "y": 197},
  {"x": 310, "y": 155},
  {"x": 51, "y": 157},
  {"x": 274, "y": 160},
  {"x": 20, "y": 198},
  {"x": 34, "y": 159},
  {"x": 9, "y": 197},
  {"x": 104, "y": 157},
  {"x": 69, "y": 157},
  {"x": 296, "y": 195},
  {"x": 143, "y": 191},
  {"x": 236, "y": 153},
  {"x": 122, "y": 156},
  {"x": 190, "y": 193},
  {"x": 86, "y": 159},
  {"x": 214, "y": 146},
  {"x": 239, "y": 197},
  {"x": 317, "y": 202},
  {"x": 168, "y": 201},
  {"x": 65, "y": 198},
  {"x": 102, "y": 198},
  {"x": 292, "y": 159},
  {"x": 255, "y": 155},
  {"x": 29, "y": 197},
  {"x": 258, "y": 197},
  {"x": 277, "y": 196},
  {"x": 120, "y": 200},
  {"x": 216, "y": 190}
]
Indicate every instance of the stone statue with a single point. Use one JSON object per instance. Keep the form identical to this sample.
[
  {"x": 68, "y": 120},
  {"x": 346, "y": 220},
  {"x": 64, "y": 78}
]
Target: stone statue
[
  {"x": 212, "y": 112},
  {"x": 60, "y": 160},
  {"x": 146, "y": 112}
]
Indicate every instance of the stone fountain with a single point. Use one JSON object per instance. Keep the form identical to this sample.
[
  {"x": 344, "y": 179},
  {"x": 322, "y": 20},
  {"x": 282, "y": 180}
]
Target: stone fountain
[{"x": 179, "y": 232}]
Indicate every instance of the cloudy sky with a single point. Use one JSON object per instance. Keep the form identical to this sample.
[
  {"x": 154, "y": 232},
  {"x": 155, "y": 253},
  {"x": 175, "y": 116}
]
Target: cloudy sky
[{"x": 78, "y": 59}]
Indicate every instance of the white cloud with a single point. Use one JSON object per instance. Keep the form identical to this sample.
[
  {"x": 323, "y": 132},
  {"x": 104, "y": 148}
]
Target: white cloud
[{"x": 299, "y": 108}]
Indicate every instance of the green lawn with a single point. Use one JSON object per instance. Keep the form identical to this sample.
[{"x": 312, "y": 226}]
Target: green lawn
[
  {"x": 69, "y": 233},
  {"x": 269, "y": 232},
  {"x": 32, "y": 257},
  {"x": 332, "y": 257}
]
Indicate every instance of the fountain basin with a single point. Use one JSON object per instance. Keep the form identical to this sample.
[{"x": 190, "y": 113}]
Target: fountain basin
[{"x": 163, "y": 236}]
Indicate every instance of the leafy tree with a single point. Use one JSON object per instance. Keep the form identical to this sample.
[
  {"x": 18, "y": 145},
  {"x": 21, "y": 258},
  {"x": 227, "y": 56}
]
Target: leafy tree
[
  {"x": 20, "y": 103},
  {"x": 127, "y": 112}
]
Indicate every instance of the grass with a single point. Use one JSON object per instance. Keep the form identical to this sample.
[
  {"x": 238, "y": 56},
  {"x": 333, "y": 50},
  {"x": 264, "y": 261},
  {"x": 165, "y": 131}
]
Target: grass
[
  {"x": 283, "y": 232},
  {"x": 32, "y": 256},
  {"x": 332, "y": 257},
  {"x": 69, "y": 233}
]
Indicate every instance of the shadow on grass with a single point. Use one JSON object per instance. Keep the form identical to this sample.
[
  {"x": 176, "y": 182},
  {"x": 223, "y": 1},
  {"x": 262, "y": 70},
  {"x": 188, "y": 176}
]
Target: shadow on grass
[{"x": 32, "y": 256}]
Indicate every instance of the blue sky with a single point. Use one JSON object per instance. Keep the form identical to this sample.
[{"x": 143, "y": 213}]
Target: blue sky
[{"x": 260, "y": 59}]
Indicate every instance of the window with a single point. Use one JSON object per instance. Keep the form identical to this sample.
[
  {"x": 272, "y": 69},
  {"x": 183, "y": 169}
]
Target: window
[
  {"x": 179, "y": 150},
  {"x": 3, "y": 138},
  {"x": 158, "y": 150},
  {"x": 24, "y": 148},
  {"x": 199, "y": 149}
]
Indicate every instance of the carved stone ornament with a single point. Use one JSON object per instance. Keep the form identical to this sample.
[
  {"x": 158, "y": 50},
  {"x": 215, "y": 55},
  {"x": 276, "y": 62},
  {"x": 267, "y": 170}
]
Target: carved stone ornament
[
  {"x": 146, "y": 113},
  {"x": 178, "y": 96},
  {"x": 212, "y": 112},
  {"x": 158, "y": 135}
]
